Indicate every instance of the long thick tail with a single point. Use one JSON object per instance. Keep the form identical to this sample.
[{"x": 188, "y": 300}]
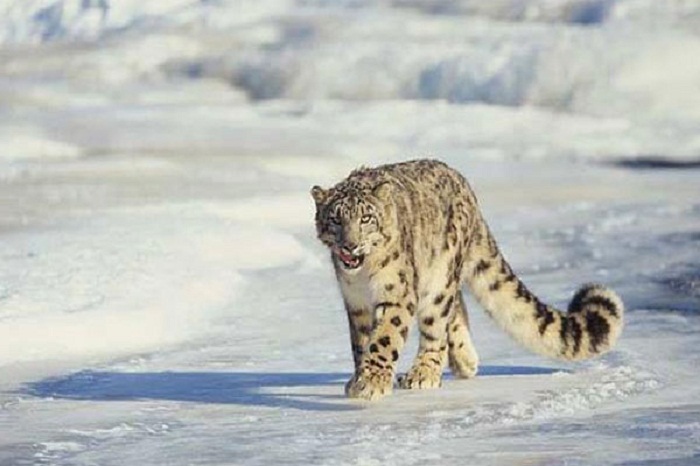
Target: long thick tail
[{"x": 590, "y": 327}]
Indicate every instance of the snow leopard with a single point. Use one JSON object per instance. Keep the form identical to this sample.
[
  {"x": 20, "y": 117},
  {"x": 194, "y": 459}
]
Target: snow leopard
[{"x": 403, "y": 239}]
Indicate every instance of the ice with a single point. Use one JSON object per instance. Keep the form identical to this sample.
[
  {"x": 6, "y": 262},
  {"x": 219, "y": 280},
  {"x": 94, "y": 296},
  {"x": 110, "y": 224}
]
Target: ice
[{"x": 163, "y": 299}]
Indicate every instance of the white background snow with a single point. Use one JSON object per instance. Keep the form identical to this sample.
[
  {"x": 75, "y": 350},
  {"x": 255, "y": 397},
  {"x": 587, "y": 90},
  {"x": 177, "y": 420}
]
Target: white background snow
[{"x": 163, "y": 299}]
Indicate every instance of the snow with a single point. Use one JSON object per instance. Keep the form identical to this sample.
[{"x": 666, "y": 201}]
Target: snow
[
  {"x": 25, "y": 143},
  {"x": 163, "y": 299},
  {"x": 83, "y": 271}
]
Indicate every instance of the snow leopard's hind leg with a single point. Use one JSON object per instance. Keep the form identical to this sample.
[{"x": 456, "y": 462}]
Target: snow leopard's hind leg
[
  {"x": 462, "y": 356},
  {"x": 433, "y": 322}
]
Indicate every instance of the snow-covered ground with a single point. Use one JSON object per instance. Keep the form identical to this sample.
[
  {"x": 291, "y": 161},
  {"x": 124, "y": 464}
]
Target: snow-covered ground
[{"x": 163, "y": 299}]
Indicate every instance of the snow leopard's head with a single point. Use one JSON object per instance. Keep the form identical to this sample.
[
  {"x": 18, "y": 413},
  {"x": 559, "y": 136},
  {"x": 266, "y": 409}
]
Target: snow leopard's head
[{"x": 352, "y": 220}]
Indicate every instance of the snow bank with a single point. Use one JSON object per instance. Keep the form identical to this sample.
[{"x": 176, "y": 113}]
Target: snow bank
[
  {"x": 37, "y": 21},
  {"x": 615, "y": 69},
  {"x": 577, "y": 12},
  {"x": 30, "y": 143},
  {"x": 127, "y": 282},
  {"x": 601, "y": 57},
  {"x": 491, "y": 78},
  {"x": 133, "y": 60}
]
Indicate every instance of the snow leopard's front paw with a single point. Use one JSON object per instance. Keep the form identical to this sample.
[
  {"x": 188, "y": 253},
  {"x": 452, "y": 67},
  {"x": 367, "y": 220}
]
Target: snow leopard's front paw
[
  {"x": 370, "y": 385},
  {"x": 421, "y": 377}
]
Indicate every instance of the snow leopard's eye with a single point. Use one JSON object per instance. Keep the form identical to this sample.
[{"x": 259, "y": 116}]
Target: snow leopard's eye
[{"x": 366, "y": 219}]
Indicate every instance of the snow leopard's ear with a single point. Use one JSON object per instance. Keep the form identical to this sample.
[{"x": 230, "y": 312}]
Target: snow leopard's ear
[
  {"x": 319, "y": 194},
  {"x": 382, "y": 190}
]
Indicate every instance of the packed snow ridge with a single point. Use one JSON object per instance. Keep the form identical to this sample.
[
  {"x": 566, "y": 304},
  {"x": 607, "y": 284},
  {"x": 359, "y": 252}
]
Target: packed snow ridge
[{"x": 514, "y": 53}]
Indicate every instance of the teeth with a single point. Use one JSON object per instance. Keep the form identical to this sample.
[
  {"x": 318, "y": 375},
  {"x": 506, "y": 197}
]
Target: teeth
[{"x": 350, "y": 261}]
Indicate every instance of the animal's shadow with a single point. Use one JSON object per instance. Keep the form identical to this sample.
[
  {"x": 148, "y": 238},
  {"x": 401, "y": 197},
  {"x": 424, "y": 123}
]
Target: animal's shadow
[{"x": 267, "y": 389}]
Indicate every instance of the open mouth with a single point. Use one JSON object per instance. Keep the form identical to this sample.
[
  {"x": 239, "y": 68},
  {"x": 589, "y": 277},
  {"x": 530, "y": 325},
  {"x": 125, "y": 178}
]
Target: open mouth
[{"x": 349, "y": 260}]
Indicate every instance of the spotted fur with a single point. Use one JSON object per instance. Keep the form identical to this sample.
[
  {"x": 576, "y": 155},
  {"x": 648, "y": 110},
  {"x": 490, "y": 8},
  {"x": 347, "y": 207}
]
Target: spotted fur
[{"x": 403, "y": 239}]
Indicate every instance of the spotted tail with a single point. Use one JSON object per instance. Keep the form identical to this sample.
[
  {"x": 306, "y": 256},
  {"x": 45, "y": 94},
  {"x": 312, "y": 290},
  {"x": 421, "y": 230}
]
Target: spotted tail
[{"x": 590, "y": 327}]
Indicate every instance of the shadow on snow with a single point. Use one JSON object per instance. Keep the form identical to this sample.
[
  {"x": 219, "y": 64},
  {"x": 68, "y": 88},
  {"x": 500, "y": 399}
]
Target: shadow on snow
[{"x": 241, "y": 388}]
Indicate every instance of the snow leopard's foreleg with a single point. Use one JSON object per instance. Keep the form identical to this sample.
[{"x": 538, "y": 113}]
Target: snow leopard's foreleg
[
  {"x": 361, "y": 321},
  {"x": 394, "y": 307}
]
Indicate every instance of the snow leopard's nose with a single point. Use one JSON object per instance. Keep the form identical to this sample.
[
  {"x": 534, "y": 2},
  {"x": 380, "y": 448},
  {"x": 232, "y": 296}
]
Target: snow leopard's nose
[{"x": 350, "y": 247}]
